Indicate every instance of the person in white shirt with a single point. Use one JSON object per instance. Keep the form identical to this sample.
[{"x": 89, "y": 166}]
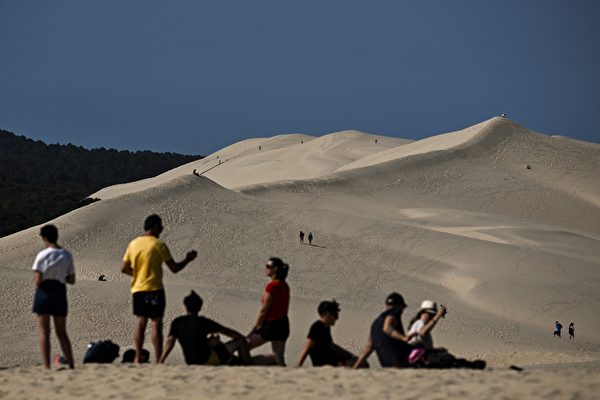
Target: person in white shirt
[
  {"x": 53, "y": 268},
  {"x": 423, "y": 353},
  {"x": 422, "y": 324}
]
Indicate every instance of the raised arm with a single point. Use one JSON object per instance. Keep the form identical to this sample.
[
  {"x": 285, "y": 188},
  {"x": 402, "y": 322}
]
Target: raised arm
[
  {"x": 175, "y": 267},
  {"x": 433, "y": 321},
  {"x": 307, "y": 346}
]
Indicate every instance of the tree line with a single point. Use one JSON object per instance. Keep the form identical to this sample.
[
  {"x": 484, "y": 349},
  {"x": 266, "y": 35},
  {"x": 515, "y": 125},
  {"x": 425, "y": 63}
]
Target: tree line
[{"x": 40, "y": 181}]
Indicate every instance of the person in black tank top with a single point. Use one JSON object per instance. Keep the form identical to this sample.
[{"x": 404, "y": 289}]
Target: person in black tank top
[{"x": 387, "y": 337}]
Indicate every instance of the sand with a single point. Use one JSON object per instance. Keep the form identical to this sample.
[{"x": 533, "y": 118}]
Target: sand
[
  {"x": 188, "y": 382},
  {"x": 499, "y": 223}
]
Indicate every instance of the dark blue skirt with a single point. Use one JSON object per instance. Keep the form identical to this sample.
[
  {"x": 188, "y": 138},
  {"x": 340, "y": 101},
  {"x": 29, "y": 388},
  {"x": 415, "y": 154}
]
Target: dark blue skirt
[{"x": 51, "y": 299}]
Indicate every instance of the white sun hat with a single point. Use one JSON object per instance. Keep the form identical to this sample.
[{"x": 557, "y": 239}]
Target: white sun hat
[{"x": 429, "y": 306}]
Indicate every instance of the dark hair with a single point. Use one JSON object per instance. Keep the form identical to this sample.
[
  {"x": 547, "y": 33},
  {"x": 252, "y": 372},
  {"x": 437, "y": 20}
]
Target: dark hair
[
  {"x": 282, "y": 268},
  {"x": 193, "y": 302},
  {"x": 50, "y": 233},
  {"x": 415, "y": 318},
  {"x": 153, "y": 221},
  {"x": 328, "y": 307}
]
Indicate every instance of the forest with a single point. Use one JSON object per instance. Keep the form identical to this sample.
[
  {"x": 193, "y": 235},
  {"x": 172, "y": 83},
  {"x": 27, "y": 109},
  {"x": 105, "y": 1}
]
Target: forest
[{"x": 40, "y": 181}]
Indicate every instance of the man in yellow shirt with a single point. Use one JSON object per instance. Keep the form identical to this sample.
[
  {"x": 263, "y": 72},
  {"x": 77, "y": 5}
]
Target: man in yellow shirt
[{"x": 143, "y": 262}]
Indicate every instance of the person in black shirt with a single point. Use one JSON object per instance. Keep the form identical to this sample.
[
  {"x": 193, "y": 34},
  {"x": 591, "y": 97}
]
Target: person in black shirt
[
  {"x": 196, "y": 337},
  {"x": 387, "y": 336},
  {"x": 319, "y": 344}
]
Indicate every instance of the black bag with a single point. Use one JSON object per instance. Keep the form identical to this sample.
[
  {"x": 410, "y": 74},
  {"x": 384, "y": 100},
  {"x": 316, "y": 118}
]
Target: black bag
[
  {"x": 102, "y": 352},
  {"x": 129, "y": 356}
]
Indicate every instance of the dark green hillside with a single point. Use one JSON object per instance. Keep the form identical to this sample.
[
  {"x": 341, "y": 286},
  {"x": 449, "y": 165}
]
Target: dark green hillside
[{"x": 39, "y": 181}]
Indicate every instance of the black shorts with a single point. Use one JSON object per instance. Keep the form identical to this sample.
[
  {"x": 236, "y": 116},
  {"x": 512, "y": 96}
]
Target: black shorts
[
  {"x": 394, "y": 356},
  {"x": 51, "y": 299},
  {"x": 149, "y": 304},
  {"x": 275, "y": 331}
]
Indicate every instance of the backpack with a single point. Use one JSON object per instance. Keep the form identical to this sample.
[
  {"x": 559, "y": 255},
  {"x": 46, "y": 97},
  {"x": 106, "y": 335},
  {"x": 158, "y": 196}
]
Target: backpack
[
  {"x": 129, "y": 356},
  {"x": 102, "y": 352}
]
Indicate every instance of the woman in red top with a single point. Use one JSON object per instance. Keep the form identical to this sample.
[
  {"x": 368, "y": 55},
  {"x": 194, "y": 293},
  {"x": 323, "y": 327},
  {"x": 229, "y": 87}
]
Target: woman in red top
[{"x": 272, "y": 324}]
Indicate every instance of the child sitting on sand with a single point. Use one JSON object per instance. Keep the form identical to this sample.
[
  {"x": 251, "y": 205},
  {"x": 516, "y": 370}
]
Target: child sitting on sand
[{"x": 319, "y": 343}]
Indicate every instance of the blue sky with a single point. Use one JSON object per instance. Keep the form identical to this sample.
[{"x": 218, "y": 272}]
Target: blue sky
[{"x": 195, "y": 76}]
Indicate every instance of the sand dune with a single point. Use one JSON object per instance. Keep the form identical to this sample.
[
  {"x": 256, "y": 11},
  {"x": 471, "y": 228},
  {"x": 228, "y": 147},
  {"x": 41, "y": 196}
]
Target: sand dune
[
  {"x": 279, "y": 158},
  {"x": 500, "y": 223}
]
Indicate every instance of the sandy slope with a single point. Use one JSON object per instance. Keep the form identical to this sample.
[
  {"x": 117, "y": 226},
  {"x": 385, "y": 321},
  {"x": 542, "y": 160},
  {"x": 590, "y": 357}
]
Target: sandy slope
[
  {"x": 456, "y": 217},
  {"x": 183, "y": 382}
]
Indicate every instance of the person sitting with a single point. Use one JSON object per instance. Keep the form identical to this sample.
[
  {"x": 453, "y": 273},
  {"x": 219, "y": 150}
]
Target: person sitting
[
  {"x": 424, "y": 354},
  {"x": 421, "y": 326},
  {"x": 319, "y": 343},
  {"x": 192, "y": 331},
  {"x": 424, "y": 322},
  {"x": 387, "y": 336}
]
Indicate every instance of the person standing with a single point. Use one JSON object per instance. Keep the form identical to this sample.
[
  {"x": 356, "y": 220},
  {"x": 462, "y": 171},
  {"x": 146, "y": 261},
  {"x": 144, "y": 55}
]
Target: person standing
[
  {"x": 143, "y": 262},
  {"x": 53, "y": 268},
  {"x": 301, "y": 237},
  {"x": 572, "y": 331},
  {"x": 557, "y": 329},
  {"x": 272, "y": 323},
  {"x": 310, "y": 238}
]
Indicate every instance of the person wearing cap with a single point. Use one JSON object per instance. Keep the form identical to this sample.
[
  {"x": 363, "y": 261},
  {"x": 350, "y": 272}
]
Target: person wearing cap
[
  {"x": 319, "y": 344},
  {"x": 387, "y": 337},
  {"x": 423, "y": 323}
]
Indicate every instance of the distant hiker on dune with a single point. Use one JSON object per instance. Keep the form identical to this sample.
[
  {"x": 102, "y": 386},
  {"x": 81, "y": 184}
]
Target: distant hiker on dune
[
  {"x": 143, "y": 262},
  {"x": 301, "y": 237},
  {"x": 53, "y": 268},
  {"x": 557, "y": 328},
  {"x": 572, "y": 331},
  {"x": 310, "y": 238}
]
